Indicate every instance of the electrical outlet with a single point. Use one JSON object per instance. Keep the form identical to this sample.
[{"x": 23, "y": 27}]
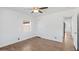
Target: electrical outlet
[
  {"x": 55, "y": 37},
  {"x": 18, "y": 38}
]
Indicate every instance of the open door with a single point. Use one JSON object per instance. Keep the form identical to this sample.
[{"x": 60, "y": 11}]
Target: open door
[{"x": 78, "y": 32}]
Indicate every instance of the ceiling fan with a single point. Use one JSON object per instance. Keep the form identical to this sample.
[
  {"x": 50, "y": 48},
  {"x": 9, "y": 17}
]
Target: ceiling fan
[{"x": 38, "y": 9}]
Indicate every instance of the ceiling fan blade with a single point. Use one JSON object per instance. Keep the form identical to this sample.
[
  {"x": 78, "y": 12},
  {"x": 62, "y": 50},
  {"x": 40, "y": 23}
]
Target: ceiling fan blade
[
  {"x": 43, "y": 8},
  {"x": 40, "y": 11}
]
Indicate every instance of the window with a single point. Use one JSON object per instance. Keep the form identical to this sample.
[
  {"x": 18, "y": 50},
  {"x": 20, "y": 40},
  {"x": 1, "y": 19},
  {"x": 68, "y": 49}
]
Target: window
[{"x": 27, "y": 26}]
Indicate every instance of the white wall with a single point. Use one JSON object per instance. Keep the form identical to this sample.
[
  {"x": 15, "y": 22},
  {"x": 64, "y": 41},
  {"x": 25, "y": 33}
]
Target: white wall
[
  {"x": 77, "y": 26},
  {"x": 11, "y": 26},
  {"x": 51, "y": 27}
]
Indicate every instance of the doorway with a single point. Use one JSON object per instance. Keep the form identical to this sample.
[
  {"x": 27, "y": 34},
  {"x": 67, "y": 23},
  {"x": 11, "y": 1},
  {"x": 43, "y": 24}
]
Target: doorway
[{"x": 68, "y": 40}]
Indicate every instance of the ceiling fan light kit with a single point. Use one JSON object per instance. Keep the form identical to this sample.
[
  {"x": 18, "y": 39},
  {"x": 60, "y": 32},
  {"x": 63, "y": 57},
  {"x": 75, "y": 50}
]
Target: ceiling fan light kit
[{"x": 35, "y": 11}]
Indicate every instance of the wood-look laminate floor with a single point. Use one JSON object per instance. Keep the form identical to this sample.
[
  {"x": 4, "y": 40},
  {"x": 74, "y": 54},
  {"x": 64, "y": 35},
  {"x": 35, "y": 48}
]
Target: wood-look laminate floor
[
  {"x": 68, "y": 42},
  {"x": 40, "y": 44}
]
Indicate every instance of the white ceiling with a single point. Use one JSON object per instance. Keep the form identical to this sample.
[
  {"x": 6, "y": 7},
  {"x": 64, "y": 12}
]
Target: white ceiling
[{"x": 28, "y": 10}]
